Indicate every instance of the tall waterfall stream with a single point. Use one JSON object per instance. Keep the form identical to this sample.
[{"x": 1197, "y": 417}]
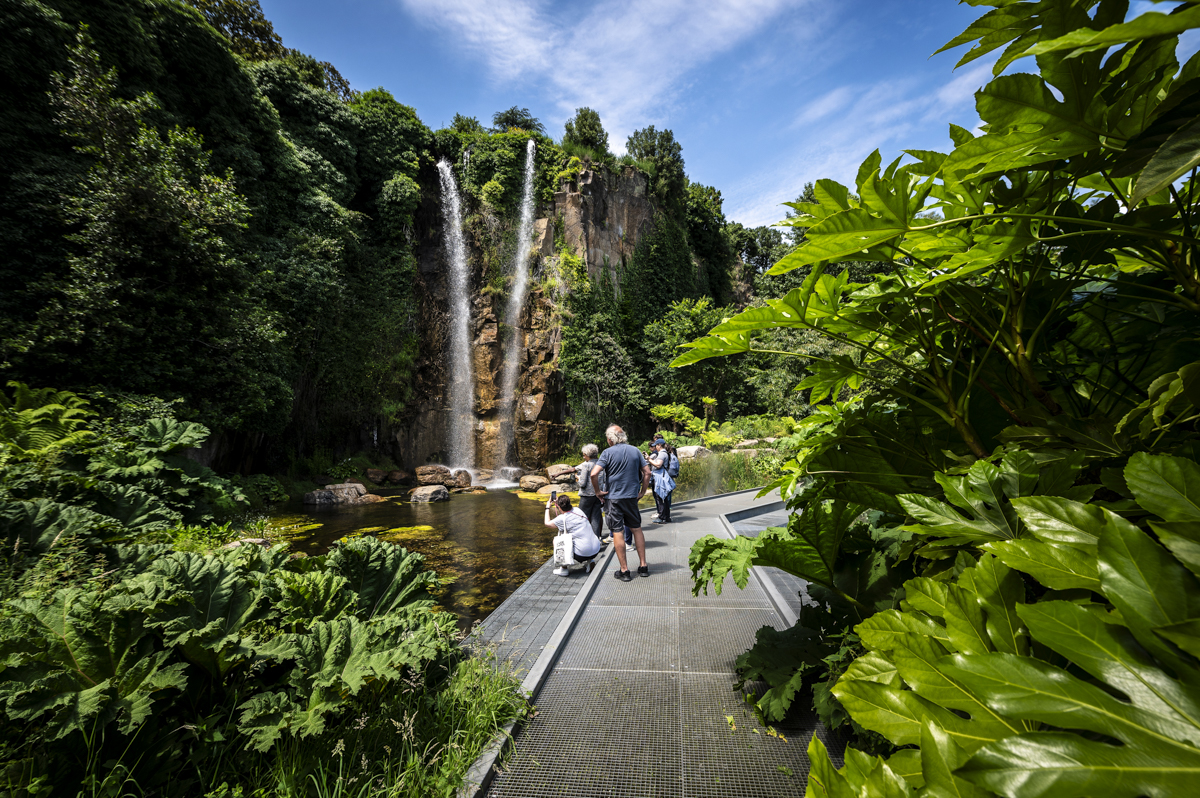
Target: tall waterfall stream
[
  {"x": 461, "y": 443},
  {"x": 512, "y": 315}
]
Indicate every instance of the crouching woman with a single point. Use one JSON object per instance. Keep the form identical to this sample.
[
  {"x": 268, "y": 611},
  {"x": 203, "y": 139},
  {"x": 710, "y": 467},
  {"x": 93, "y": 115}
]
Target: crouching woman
[{"x": 584, "y": 543}]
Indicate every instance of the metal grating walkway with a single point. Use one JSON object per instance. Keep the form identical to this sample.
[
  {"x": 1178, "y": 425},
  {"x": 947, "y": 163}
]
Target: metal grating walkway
[{"x": 640, "y": 699}]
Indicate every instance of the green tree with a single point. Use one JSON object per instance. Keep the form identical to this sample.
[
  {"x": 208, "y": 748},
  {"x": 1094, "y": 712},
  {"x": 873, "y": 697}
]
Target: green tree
[
  {"x": 760, "y": 248},
  {"x": 153, "y": 291},
  {"x": 466, "y": 124},
  {"x": 707, "y": 235},
  {"x": 251, "y": 35},
  {"x": 520, "y": 118},
  {"x": 674, "y": 326},
  {"x": 665, "y": 157},
  {"x": 585, "y": 130}
]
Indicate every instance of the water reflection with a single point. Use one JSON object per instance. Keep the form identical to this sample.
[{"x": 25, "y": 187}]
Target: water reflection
[{"x": 483, "y": 546}]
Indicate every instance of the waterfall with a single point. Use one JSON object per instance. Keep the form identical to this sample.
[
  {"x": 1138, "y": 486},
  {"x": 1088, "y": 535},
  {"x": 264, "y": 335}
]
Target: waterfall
[
  {"x": 460, "y": 445},
  {"x": 512, "y": 313}
]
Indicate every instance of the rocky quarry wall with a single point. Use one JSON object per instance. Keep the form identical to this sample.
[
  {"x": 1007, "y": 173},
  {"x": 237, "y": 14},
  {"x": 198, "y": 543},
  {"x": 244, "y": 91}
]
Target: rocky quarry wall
[{"x": 604, "y": 215}]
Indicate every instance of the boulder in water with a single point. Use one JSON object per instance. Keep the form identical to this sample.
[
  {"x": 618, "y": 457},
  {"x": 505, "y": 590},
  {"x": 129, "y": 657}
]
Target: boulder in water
[
  {"x": 561, "y": 473},
  {"x": 429, "y": 493},
  {"x": 341, "y": 493},
  {"x": 399, "y": 477},
  {"x": 531, "y": 482},
  {"x": 484, "y": 475},
  {"x": 433, "y": 475},
  {"x": 376, "y": 475},
  {"x": 692, "y": 452},
  {"x": 511, "y": 473},
  {"x": 462, "y": 479},
  {"x": 237, "y": 544}
]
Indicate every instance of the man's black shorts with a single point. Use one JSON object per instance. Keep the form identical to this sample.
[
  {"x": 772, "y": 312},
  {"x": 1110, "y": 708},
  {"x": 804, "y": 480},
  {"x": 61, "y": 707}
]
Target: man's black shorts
[{"x": 624, "y": 513}]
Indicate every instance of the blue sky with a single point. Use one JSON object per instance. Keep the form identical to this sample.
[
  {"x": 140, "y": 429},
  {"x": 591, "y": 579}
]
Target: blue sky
[{"x": 763, "y": 95}]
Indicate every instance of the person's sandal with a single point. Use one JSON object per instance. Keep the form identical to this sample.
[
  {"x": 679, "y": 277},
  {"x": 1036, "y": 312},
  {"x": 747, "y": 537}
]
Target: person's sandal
[
  {"x": 643, "y": 570},
  {"x": 624, "y": 576}
]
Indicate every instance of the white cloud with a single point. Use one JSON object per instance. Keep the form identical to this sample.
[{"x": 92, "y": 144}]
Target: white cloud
[
  {"x": 628, "y": 59},
  {"x": 885, "y": 115}
]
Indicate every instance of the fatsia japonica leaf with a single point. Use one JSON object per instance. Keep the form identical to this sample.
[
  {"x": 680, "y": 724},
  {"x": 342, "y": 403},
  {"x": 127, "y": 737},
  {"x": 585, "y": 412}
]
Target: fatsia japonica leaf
[
  {"x": 1144, "y": 26},
  {"x": 843, "y": 236},
  {"x": 1183, "y": 539},
  {"x": 713, "y": 346},
  {"x": 963, "y": 617},
  {"x": 1177, "y": 156},
  {"x": 1156, "y": 758},
  {"x": 1147, "y": 586},
  {"x": 940, "y": 757},
  {"x": 1058, "y": 567}
]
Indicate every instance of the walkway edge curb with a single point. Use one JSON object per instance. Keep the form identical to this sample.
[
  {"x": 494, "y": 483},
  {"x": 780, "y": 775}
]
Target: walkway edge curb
[
  {"x": 778, "y": 602},
  {"x": 479, "y": 777}
]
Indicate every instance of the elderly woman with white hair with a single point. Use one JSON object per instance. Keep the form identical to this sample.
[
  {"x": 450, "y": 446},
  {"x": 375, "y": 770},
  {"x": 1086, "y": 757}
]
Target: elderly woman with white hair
[{"x": 591, "y": 504}]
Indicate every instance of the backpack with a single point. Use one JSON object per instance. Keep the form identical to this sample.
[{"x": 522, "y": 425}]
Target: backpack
[{"x": 673, "y": 465}]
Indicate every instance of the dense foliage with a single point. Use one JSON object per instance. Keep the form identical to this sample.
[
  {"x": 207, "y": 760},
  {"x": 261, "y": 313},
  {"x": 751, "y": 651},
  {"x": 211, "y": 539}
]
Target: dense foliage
[
  {"x": 281, "y": 231},
  {"x": 133, "y": 665},
  {"x": 995, "y": 507}
]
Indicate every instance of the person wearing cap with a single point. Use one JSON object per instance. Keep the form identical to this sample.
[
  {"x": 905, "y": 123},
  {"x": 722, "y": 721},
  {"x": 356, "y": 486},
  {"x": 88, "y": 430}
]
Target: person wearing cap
[{"x": 662, "y": 481}]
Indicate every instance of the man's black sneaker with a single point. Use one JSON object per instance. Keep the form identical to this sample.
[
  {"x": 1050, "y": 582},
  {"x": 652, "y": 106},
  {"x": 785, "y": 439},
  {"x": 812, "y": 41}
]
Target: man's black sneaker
[
  {"x": 643, "y": 570},
  {"x": 624, "y": 576}
]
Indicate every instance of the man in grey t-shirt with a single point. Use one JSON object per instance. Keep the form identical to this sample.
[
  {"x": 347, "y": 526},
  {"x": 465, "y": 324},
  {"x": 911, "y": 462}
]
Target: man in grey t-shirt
[{"x": 628, "y": 477}]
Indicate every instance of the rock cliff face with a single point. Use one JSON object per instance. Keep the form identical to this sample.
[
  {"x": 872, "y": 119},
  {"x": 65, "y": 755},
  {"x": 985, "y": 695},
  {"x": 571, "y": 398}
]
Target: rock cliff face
[{"x": 603, "y": 216}]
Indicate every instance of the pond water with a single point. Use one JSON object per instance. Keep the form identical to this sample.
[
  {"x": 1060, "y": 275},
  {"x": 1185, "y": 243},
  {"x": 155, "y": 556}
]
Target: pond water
[{"x": 482, "y": 545}]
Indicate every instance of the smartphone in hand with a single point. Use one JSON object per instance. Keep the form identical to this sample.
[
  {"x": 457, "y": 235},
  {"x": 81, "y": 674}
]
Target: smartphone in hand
[{"x": 553, "y": 495}]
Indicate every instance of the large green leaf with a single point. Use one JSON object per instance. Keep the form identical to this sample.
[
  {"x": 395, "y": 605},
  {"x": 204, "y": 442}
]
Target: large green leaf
[
  {"x": 1058, "y": 567},
  {"x": 1144, "y": 26},
  {"x": 1155, "y": 759},
  {"x": 383, "y": 576},
  {"x": 1109, "y": 653},
  {"x": 860, "y": 776},
  {"x": 844, "y": 236},
  {"x": 36, "y": 526},
  {"x": 336, "y": 659},
  {"x": 1167, "y": 486},
  {"x": 713, "y": 346},
  {"x": 81, "y": 661},
  {"x": 1146, "y": 584},
  {"x": 779, "y": 660},
  {"x": 202, "y": 604}
]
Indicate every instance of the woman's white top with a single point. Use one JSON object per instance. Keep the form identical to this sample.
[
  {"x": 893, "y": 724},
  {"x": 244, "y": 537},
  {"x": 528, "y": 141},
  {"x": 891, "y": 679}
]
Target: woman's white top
[{"x": 576, "y": 524}]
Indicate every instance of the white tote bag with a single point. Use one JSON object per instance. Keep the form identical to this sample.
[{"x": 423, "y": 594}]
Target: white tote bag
[{"x": 563, "y": 550}]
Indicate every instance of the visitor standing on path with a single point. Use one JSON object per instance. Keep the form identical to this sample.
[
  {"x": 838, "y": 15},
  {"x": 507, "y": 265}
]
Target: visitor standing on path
[
  {"x": 589, "y": 502},
  {"x": 628, "y": 477},
  {"x": 663, "y": 482}
]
